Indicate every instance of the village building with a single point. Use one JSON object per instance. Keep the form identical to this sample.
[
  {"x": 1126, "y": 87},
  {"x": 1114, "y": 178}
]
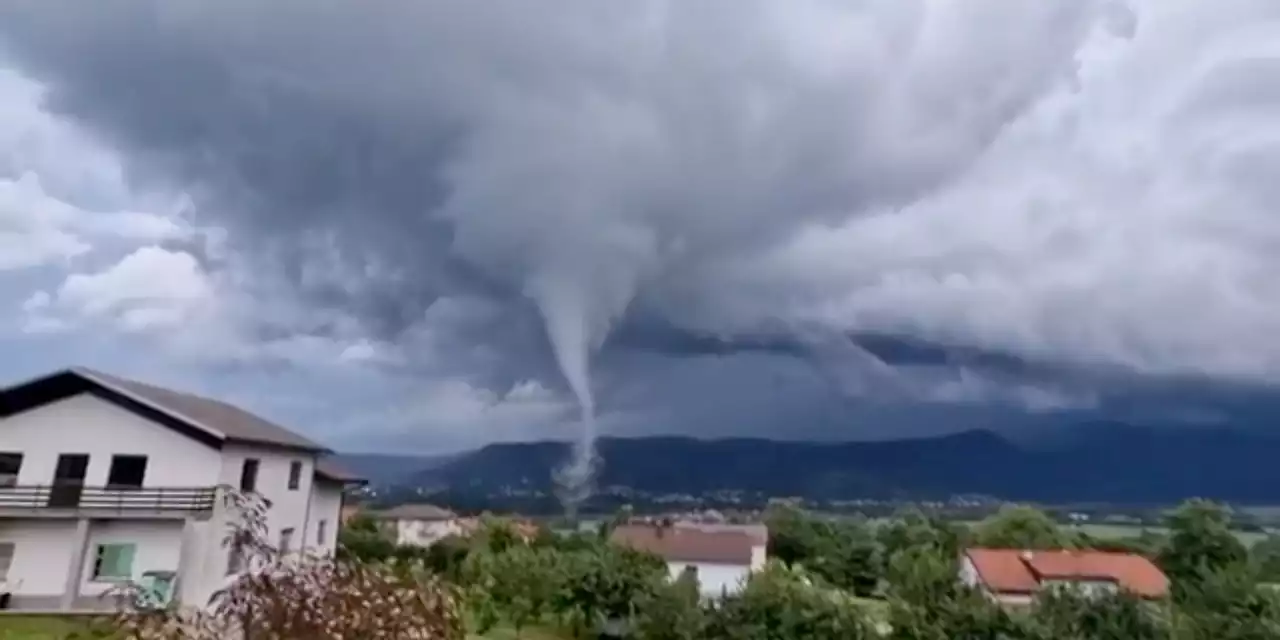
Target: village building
[
  {"x": 105, "y": 481},
  {"x": 721, "y": 557},
  {"x": 1015, "y": 576}
]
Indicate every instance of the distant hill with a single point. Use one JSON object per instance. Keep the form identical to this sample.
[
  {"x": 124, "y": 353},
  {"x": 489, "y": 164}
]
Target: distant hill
[
  {"x": 1110, "y": 462},
  {"x": 389, "y": 469}
]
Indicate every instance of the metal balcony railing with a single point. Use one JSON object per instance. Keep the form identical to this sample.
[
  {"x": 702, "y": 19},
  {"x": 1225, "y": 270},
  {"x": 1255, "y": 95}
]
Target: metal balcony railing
[{"x": 109, "y": 498}]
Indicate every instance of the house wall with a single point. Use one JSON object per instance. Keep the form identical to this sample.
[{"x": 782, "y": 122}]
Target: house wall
[
  {"x": 43, "y": 552},
  {"x": 89, "y": 425},
  {"x": 86, "y": 424},
  {"x": 425, "y": 532},
  {"x": 289, "y": 508},
  {"x": 1088, "y": 588},
  {"x": 714, "y": 579},
  {"x": 41, "y": 555},
  {"x": 159, "y": 548},
  {"x": 326, "y": 506},
  {"x": 969, "y": 573}
]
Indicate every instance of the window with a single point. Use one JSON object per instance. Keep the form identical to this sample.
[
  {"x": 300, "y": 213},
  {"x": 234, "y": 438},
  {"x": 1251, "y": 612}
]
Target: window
[
  {"x": 10, "y": 464},
  {"x": 286, "y": 540},
  {"x": 6, "y": 559},
  {"x": 295, "y": 475},
  {"x": 322, "y": 528},
  {"x": 249, "y": 475},
  {"x": 126, "y": 472},
  {"x": 113, "y": 562}
]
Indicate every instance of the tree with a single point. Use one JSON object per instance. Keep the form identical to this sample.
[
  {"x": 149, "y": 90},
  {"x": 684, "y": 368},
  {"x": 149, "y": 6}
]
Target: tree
[
  {"x": 317, "y": 598},
  {"x": 1227, "y": 604},
  {"x": 1021, "y": 527},
  {"x": 1264, "y": 556},
  {"x": 782, "y": 603},
  {"x": 361, "y": 539},
  {"x": 1064, "y": 614},
  {"x": 447, "y": 556},
  {"x": 1200, "y": 544},
  {"x": 518, "y": 584},
  {"x": 910, "y": 528},
  {"x": 928, "y": 602},
  {"x": 843, "y": 553},
  {"x": 605, "y": 583},
  {"x": 673, "y": 612}
]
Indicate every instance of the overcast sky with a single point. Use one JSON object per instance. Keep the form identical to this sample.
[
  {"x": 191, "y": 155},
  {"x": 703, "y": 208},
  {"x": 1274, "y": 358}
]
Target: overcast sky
[{"x": 421, "y": 226}]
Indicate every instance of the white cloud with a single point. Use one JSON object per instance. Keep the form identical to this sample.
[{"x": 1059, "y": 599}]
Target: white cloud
[
  {"x": 151, "y": 288},
  {"x": 962, "y": 172},
  {"x": 1128, "y": 220},
  {"x": 451, "y": 413},
  {"x": 60, "y": 191}
]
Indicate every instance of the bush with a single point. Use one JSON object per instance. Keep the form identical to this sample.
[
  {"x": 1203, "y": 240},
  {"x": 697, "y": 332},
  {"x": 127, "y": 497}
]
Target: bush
[{"x": 309, "y": 598}]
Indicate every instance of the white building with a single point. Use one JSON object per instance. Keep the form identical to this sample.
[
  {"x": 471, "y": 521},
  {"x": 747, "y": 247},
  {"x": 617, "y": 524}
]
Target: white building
[
  {"x": 721, "y": 557},
  {"x": 419, "y": 524},
  {"x": 105, "y": 480}
]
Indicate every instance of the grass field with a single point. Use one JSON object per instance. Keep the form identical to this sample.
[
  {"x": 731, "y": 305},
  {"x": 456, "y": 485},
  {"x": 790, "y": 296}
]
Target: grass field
[
  {"x": 1128, "y": 531},
  {"x": 18, "y": 627},
  {"x": 1133, "y": 531}
]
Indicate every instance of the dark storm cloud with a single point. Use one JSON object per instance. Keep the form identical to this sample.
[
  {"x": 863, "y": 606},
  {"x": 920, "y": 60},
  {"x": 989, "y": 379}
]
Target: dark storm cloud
[{"x": 489, "y": 172}]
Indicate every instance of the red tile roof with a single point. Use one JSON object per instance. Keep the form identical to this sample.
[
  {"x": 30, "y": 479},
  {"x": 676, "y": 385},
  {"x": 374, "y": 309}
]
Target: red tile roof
[{"x": 1014, "y": 571}]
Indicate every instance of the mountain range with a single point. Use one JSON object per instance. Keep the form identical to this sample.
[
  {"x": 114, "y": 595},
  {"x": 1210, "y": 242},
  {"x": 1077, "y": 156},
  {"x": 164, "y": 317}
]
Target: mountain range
[{"x": 1103, "y": 463}]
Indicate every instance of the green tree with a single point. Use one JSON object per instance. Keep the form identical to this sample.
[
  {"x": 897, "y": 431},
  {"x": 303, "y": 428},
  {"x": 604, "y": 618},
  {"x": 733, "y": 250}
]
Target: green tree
[
  {"x": 1065, "y": 614},
  {"x": 605, "y": 583},
  {"x": 673, "y": 612},
  {"x": 910, "y": 528},
  {"x": 1265, "y": 558},
  {"x": 1200, "y": 544},
  {"x": 843, "y": 553},
  {"x": 361, "y": 539},
  {"x": 1227, "y": 604},
  {"x": 781, "y": 603},
  {"x": 927, "y": 602},
  {"x": 447, "y": 555},
  {"x": 1021, "y": 527}
]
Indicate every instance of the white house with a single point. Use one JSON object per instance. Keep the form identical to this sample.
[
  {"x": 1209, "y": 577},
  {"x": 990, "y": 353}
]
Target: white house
[
  {"x": 104, "y": 480},
  {"x": 721, "y": 557},
  {"x": 419, "y": 524}
]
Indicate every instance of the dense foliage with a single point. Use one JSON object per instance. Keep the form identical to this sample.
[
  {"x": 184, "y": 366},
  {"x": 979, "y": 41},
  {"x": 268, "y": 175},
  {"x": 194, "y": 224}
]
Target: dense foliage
[
  {"x": 828, "y": 579},
  {"x": 287, "y": 597}
]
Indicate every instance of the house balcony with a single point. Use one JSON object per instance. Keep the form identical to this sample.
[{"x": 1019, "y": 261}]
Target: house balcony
[{"x": 76, "y": 501}]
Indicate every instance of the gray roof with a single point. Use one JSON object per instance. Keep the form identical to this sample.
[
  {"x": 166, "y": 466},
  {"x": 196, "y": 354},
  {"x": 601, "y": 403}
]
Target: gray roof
[
  {"x": 415, "y": 512},
  {"x": 758, "y": 533},
  {"x": 232, "y": 423},
  {"x": 330, "y": 470}
]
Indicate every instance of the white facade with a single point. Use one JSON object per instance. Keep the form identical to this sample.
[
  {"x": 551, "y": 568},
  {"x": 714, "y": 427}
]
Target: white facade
[
  {"x": 53, "y": 552},
  {"x": 715, "y": 580},
  {"x": 424, "y": 532}
]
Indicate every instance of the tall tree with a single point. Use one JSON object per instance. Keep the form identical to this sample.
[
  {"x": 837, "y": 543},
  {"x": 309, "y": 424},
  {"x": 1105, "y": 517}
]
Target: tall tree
[
  {"x": 1200, "y": 544},
  {"x": 1021, "y": 527}
]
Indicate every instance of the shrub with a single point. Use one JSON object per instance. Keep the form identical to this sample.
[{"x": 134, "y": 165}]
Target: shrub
[{"x": 306, "y": 598}]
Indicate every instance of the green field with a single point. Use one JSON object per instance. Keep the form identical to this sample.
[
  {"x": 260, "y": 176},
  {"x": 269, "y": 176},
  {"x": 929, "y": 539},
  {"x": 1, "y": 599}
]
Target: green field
[{"x": 19, "y": 627}]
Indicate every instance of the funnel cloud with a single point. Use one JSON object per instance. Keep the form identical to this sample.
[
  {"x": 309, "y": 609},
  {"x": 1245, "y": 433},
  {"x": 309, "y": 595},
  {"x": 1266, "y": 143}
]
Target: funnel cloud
[{"x": 806, "y": 219}]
